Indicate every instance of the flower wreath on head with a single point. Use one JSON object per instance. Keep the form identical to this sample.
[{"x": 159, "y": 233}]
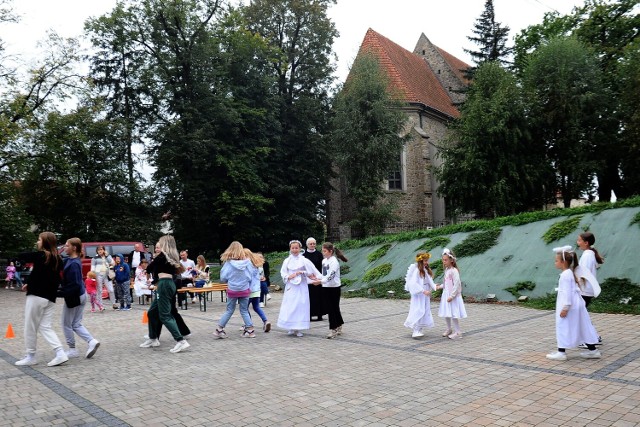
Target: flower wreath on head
[
  {"x": 447, "y": 252},
  {"x": 423, "y": 257}
]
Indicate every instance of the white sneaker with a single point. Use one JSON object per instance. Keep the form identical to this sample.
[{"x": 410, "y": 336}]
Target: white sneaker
[
  {"x": 268, "y": 297},
  {"x": 261, "y": 305},
  {"x": 558, "y": 355},
  {"x": 59, "y": 359},
  {"x": 290, "y": 332},
  {"x": 299, "y": 334},
  {"x": 332, "y": 334},
  {"x": 180, "y": 345},
  {"x": 72, "y": 353},
  {"x": 417, "y": 334},
  {"x": 150, "y": 343},
  {"x": 591, "y": 354},
  {"x": 28, "y": 360},
  {"x": 193, "y": 301},
  {"x": 339, "y": 330},
  {"x": 447, "y": 333},
  {"x": 93, "y": 347}
]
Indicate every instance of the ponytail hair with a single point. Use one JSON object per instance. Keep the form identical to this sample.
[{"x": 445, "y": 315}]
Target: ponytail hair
[
  {"x": 335, "y": 251},
  {"x": 591, "y": 240}
]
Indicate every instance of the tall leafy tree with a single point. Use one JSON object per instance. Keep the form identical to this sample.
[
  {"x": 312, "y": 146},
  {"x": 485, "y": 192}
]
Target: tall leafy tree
[
  {"x": 491, "y": 38},
  {"x": 76, "y": 185},
  {"x": 367, "y": 125},
  {"x": 213, "y": 114},
  {"x": 123, "y": 78},
  {"x": 563, "y": 85},
  {"x": 302, "y": 35},
  {"x": 608, "y": 28},
  {"x": 493, "y": 166}
]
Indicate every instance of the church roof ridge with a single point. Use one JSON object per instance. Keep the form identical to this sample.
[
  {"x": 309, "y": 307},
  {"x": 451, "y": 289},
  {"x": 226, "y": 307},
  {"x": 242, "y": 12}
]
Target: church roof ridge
[{"x": 409, "y": 74}]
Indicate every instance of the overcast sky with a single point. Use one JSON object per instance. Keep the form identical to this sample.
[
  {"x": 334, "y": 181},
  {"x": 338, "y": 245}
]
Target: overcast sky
[{"x": 445, "y": 23}]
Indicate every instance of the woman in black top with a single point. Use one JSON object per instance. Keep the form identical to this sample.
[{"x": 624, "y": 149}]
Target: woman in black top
[
  {"x": 163, "y": 267},
  {"x": 41, "y": 297}
]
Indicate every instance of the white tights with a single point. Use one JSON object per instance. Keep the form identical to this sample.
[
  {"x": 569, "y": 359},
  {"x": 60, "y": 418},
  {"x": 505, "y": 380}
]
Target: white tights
[{"x": 456, "y": 324}]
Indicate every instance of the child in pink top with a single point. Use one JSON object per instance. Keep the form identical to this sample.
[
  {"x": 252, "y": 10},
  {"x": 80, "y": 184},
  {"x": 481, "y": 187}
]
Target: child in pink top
[
  {"x": 90, "y": 284},
  {"x": 11, "y": 273}
]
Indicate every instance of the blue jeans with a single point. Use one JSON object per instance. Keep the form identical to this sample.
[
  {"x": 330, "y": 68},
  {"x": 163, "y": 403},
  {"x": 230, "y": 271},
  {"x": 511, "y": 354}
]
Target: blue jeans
[
  {"x": 255, "y": 303},
  {"x": 231, "y": 307},
  {"x": 264, "y": 290}
]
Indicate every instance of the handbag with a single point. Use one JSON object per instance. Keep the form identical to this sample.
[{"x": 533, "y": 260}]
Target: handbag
[
  {"x": 111, "y": 274},
  {"x": 72, "y": 300}
]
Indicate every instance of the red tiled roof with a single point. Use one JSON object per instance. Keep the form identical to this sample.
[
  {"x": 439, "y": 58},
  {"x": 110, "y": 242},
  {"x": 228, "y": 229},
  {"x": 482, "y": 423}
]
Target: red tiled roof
[
  {"x": 409, "y": 75},
  {"x": 456, "y": 65}
]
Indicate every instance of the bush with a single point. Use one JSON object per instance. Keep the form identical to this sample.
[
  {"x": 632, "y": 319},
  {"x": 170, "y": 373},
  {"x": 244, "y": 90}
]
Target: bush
[
  {"x": 378, "y": 253},
  {"x": 520, "y": 286},
  {"x": 477, "y": 243},
  {"x": 377, "y": 273},
  {"x": 561, "y": 229},
  {"x": 435, "y": 242}
]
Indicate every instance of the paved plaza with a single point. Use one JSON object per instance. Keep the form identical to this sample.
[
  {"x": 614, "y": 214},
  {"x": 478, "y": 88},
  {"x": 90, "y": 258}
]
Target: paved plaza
[{"x": 373, "y": 375}]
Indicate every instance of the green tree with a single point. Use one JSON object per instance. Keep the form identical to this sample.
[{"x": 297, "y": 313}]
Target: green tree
[
  {"x": 297, "y": 168},
  {"x": 608, "y": 28},
  {"x": 121, "y": 75},
  {"x": 366, "y": 139},
  {"x": 491, "y": 38},
  {"x": 213, "y": 114},
  {"x": 76, "y": 183},
  {"x": 629, "y": 71},
  {"x": 492, "y": 166},
  {"x": 563, "y": 84}
]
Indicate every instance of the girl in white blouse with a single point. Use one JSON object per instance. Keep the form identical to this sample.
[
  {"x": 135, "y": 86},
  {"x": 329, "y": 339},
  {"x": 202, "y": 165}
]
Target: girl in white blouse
[{"x": 330, "y": 281}]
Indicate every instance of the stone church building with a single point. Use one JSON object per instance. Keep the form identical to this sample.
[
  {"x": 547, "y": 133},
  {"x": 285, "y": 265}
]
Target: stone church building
[{"x": 430, "y": 81}]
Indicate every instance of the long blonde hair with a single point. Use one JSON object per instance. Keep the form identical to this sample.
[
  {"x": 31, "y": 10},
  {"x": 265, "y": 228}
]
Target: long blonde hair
[
  {"x": 170, "y": 250},
  {"x": 235, "y": 251},
  {"x": 256, "y": 259}
]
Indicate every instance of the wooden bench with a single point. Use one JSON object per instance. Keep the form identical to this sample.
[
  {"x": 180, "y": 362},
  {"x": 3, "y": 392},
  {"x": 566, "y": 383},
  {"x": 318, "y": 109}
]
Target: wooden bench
[{"x": 213, "y": 287}]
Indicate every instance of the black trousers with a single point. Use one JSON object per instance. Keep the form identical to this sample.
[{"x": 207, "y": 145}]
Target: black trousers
[{"x": 332, "y": 304}]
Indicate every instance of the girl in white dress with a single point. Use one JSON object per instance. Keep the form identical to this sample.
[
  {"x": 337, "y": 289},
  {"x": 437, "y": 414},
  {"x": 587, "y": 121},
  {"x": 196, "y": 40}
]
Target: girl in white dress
[
  {"x": 419, "y": 283},
  {"x": 573, "y": 325},
  {"x": 451, "y": 303},
  {"x": 295, "y": 309},
  {"x": 589, "y": 261}
]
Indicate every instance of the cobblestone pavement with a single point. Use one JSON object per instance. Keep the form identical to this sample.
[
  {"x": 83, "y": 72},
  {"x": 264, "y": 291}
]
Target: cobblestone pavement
[{"x": 373, "y": 375}]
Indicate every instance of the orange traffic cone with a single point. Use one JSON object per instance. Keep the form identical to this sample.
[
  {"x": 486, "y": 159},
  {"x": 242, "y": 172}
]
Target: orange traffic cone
[
  {"x": 10, "y": 333},
  {"x": 145, "y": 318}
]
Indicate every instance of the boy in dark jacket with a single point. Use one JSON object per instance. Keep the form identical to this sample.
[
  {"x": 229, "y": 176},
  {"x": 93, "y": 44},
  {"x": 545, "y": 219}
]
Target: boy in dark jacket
[{"x": 122, "y": 280}]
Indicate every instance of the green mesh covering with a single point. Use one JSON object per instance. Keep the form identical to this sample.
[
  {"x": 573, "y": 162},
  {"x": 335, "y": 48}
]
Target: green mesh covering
[{"x": 520, "y": 255}]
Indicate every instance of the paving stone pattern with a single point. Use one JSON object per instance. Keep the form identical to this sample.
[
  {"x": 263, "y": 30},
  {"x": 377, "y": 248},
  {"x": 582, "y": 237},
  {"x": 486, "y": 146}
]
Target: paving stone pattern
[{"x": 373, "y": 375}]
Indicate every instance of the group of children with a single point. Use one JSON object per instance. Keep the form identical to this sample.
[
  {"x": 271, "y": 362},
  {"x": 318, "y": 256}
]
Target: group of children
[
  {"x": 419, "y": 283},
  {"x": 577, "y": 286},
  {"x": 241, "y": 272}
]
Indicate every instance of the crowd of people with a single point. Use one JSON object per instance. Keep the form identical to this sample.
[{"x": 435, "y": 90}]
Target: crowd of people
[{"x": 312, "y": 288}]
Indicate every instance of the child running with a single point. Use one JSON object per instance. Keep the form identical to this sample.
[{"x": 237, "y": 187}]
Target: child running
[
  {"x": 237, "y": 272},
  {"x": 295, "y": 314},
  {"x": 451, "y": 303},
  {"x": 419, "y": 283},
  {"x": 573, "y": 325},
  {"x": 91, "y": 284},
  {"x": 254, "y": 298}
]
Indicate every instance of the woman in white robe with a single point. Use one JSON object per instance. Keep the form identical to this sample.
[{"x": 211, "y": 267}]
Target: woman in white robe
[
  {"x": 419, "y": 285},
  {"x": 573, "y": 324},
  {"x": 295, "y": 309}
]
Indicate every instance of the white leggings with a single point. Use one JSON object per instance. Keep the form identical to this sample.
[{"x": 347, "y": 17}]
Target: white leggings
[{"x": 456, "y": 324}]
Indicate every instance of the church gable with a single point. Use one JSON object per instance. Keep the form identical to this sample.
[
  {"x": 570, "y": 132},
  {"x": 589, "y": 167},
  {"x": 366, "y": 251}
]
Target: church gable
[{"x": 410, "y": 76}]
